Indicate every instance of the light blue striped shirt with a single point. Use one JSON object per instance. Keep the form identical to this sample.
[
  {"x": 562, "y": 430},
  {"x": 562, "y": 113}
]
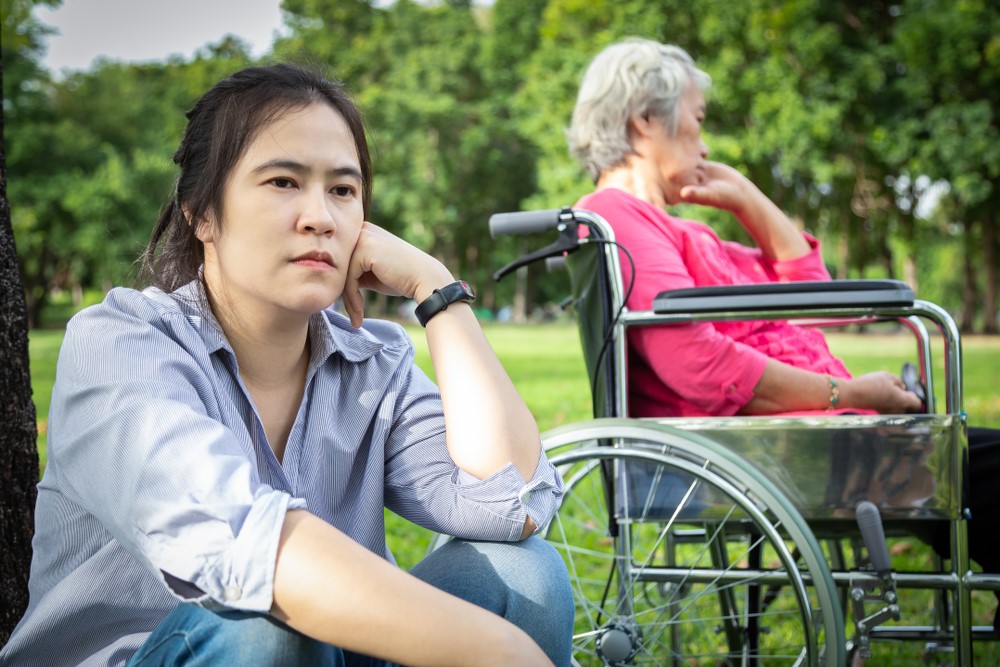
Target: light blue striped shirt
[{"x": 161, "y": 487}]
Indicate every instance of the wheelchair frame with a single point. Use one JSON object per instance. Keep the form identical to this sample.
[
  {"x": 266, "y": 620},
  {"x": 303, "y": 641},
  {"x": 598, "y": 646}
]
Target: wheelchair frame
[{"x": 732, "y": 446}]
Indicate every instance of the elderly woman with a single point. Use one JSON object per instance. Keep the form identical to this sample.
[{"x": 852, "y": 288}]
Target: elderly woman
[{"x": 636, "y": 129}]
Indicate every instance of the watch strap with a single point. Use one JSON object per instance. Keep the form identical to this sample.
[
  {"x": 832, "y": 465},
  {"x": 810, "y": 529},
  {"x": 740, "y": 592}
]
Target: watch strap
[{"x": 441, "y": 298}]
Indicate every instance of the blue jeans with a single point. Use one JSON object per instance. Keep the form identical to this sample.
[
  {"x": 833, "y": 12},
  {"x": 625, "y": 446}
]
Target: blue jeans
[{"x": 525, "y": 582}]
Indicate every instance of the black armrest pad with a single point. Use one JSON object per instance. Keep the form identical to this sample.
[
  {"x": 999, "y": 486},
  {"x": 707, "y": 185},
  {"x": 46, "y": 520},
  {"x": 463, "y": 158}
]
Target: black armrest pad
[{"x": 768, "y": 296}]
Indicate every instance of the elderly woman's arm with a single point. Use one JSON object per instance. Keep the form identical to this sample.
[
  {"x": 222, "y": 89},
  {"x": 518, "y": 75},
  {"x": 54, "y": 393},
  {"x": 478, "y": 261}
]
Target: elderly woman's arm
[
  {"x": 784, "y": 388},
  {"x": 725, "y": 188}
]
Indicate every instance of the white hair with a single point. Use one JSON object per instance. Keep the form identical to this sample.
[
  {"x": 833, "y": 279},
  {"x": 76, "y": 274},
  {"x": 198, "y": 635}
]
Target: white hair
[{"x": 632, "y": 77}]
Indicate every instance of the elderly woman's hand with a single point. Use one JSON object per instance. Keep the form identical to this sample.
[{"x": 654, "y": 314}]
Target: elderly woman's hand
[
  {"x": 720, "y": 187},
  {"x": 725, "y": 188},
  {"x": 881, "y": 391}
]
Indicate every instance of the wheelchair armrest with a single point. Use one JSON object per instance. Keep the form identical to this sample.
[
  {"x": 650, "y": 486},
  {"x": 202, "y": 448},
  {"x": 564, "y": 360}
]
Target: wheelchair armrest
[{"x": 767, "y": 296}]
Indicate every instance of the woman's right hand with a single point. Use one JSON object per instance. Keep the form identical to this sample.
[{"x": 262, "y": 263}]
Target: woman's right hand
[
  {"x": 880, "y": 391},
  {"x": 725, "y": 188},
  {"x": 385, "y": 263},
  {"x": 721, "y": 186}
]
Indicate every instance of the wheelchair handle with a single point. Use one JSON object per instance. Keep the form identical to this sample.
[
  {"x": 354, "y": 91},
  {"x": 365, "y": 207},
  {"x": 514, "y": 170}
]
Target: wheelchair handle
[
  {"x": 528, "y": 222},
  {"x": 870, "y": 523}
]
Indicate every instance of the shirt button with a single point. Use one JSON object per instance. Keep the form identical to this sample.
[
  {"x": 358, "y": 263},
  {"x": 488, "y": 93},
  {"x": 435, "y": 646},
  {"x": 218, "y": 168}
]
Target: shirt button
[
  {"x": 232, "y": 593},
  {"x": 524, "y": 496},
  {"x": 731, "y": 389}
]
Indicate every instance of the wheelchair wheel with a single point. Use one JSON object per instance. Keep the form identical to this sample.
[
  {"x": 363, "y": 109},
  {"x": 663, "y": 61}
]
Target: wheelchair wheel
[{"x": 680, "y": 553}]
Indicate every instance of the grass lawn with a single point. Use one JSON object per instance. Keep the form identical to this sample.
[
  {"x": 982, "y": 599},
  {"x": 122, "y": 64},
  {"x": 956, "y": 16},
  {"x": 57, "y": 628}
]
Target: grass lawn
[{"x": 547, "y": 366}]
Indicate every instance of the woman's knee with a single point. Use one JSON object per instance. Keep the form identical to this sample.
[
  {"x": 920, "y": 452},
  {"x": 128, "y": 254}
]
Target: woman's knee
[
  {"x": 193, "y": 636},
  {"x": 532, "y": 568},
  {"x": 525, "y": 582},
  {"x": 535, "y": 570}
]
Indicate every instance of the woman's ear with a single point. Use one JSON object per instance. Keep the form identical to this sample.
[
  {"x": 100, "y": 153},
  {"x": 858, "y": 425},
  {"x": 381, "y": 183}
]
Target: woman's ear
[
  {"x": 640, "y": 124},
  {"x": 204, "y": 230},
  {"x": 640, "y": 133}
]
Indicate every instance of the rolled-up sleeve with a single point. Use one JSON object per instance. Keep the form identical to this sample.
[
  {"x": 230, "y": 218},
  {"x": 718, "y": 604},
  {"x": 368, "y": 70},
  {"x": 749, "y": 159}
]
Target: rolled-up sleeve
[
  {"x": 424, "y": 485},
  {"x": 133, "y": 406},
  {"x": 809, "y": 266}
]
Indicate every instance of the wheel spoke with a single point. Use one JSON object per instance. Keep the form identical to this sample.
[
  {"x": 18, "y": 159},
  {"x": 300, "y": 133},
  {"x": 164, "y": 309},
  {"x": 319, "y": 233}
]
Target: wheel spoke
[{"x": 676, "y": 582}]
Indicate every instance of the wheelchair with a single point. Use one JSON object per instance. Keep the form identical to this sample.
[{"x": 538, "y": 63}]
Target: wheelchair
[{"x": 750, "y": 540}]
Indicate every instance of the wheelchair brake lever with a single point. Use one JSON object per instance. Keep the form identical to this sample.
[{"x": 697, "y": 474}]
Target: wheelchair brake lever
[
  {"x": 912, "y": 383},
  {"x": 873, "y": 535},
  {"x": 567, "y": 243}
]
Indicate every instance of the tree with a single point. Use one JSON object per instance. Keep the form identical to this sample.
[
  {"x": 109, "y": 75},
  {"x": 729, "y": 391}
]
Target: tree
[
  {"x": 19, "y": 471},
  {"x": 950, "y": 53},
  {"x": 435, "y": 84}
]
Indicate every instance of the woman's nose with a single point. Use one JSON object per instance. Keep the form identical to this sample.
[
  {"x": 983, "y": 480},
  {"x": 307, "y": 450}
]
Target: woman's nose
[
  {"x": 704, "y": 149},
  {"x": 316, "y": 217}
]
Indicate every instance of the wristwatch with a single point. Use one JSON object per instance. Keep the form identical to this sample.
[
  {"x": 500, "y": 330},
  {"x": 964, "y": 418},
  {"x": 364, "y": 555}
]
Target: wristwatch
[{"x": 441, "y": 298}]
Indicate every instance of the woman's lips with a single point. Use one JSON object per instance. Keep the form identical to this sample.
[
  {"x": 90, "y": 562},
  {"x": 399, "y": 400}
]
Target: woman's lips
[{"x": 317, "y": 260}]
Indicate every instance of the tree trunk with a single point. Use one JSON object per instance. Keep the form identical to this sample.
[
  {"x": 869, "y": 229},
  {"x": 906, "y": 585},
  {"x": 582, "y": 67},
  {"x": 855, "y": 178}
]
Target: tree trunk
[
  {"x": 990, "y": 296},
  {"x": 908, "y": 224},
  {"x": 843, "y": 249},
  {"x": 520, "y": 313},
  {"x": 967, "y": 320},
  {"x": 18, "y": 453}
]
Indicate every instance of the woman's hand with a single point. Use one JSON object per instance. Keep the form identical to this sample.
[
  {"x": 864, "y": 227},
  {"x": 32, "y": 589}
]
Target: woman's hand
[
  {"x": 721, "y": 187},
  {"x": 488, "y": 425},
  {"x": 785, "y": 388},
  {"x": 880, "y": 391},
  {"x": 387, "y": 264},
  {"x": 725, "y": 188}
]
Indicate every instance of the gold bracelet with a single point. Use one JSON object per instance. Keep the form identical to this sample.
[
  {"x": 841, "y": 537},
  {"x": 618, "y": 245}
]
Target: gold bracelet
[{"x": 834, "y": 393}]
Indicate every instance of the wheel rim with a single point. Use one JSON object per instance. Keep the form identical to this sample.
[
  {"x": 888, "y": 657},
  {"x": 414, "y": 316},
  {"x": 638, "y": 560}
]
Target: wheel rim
[{"x": 671, "y": 588}]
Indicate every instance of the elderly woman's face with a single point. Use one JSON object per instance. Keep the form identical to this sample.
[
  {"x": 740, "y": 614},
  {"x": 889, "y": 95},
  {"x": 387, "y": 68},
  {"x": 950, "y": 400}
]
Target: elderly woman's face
[{"x": 681, "y": 156}]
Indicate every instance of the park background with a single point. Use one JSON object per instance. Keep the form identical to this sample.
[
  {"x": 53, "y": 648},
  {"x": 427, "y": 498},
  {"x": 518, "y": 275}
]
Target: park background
[{"x": 873, "y": 124}]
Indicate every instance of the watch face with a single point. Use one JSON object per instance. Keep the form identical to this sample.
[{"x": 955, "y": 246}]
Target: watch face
[{"x": 467, "y": 289}]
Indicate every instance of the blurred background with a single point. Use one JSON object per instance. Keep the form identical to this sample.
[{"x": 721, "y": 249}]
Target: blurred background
[{"x": 874, "y": 124}]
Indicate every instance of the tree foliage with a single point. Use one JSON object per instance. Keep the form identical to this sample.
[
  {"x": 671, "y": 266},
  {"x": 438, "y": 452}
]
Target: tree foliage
[{"x": 872, "y": 123}]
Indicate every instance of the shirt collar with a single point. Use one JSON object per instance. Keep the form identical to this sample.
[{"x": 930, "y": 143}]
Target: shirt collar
[
  {"x": 329, "y": 331},
  {"x": 332, "y": 332}
]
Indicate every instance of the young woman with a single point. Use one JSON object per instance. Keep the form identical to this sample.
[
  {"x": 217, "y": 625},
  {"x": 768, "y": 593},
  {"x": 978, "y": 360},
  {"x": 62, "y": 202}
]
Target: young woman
[{"x": 222, "y": 444}]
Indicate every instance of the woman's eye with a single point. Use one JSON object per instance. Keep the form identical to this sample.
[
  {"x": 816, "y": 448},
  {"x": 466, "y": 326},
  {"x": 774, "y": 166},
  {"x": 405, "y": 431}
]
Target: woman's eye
[
  {"x": 283, "y": 183},
  {"x": 343, "y": 191}
]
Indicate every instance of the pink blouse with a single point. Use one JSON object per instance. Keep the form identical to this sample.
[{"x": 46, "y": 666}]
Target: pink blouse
[{"x": 703, "y": 368}]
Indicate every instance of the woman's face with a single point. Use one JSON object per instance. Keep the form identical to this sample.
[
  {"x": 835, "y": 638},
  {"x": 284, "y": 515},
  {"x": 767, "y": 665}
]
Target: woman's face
[
  {"x": 291, "y": 215},
  {"x": 681, "y": 156}
]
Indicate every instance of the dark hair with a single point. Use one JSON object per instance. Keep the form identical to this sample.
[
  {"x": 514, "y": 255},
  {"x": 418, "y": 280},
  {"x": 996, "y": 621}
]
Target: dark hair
[{"x": 220, "y": 127}]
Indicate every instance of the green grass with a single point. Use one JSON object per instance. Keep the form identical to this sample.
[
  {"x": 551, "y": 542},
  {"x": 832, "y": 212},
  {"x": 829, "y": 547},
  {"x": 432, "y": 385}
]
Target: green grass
[
  {"x": 546, "y": 365},
  {"x": 43, "y": 347}
]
